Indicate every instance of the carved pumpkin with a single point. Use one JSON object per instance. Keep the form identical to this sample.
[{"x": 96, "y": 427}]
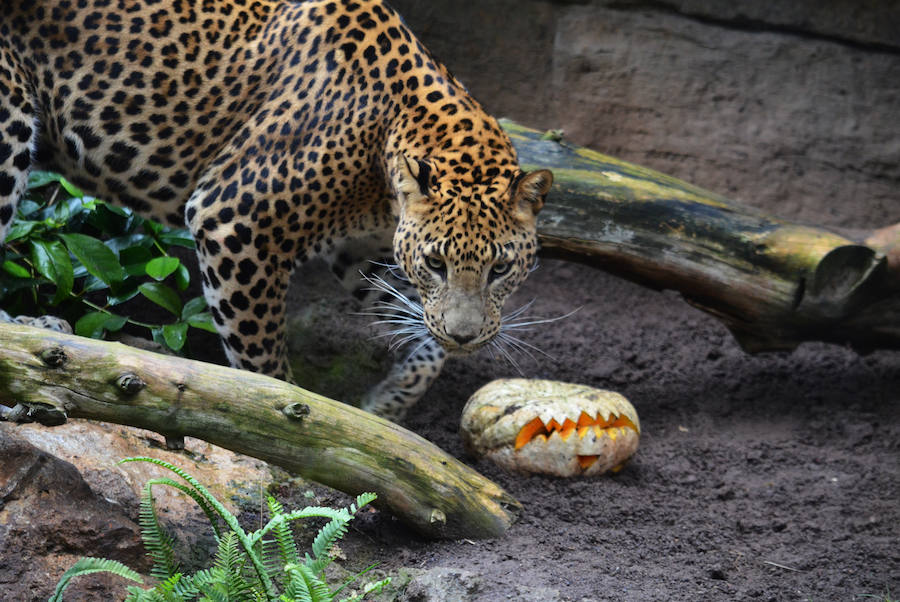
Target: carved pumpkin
[{"x": 550, "y": 427}]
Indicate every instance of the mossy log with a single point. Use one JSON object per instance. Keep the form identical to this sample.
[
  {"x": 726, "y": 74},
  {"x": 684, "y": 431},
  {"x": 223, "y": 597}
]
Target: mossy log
[
  {"x": 773, "y": 283},
  {"x": 52, "y": 376}
]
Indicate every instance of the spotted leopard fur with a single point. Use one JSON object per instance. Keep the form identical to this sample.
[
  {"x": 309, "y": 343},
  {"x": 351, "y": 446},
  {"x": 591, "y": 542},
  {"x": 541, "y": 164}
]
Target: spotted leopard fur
[{"x": 277, "y": 131}]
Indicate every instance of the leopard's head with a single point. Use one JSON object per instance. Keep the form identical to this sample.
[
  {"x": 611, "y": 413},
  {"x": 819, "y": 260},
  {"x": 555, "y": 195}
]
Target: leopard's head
[{"x": 465, "y": 241}]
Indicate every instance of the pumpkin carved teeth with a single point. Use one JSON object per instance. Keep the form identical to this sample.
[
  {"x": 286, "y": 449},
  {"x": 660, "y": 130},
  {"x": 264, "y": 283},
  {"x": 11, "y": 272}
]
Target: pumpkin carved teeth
[{"x": 600, "y": 426}]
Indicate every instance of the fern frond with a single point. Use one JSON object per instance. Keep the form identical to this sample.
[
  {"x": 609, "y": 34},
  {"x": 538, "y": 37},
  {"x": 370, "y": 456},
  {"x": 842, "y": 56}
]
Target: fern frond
[
  {"x": 159, "y": 544},
  {"x": 211, "y": 516},
  {"x": 86, "y": 566},
  {"x": 308, "y": 512},
  {"x": 362, "y": 500},
  {"x": 324, "y": 541},
  {"x": 230, "y": 562},
  {"x": 284, "y": 536},
  {"x": 268, "y": 550},
  {"x": 221, "y": 510},
  {"x": 333, "y": 531},
  {"x": 210, "y": 582},
  {"x": 217, "y": 590},
  {"x": 370, "y": 588},
  {"x": 166, "y": 591},
  {"x": 305, "y": 586},
  {"x": 227, "y": 516}
]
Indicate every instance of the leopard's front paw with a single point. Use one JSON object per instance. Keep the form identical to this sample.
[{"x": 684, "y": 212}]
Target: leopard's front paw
[{"x": 388, "y": 401}]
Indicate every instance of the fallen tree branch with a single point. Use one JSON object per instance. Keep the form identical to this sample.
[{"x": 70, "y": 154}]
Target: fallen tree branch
[
  {"x": 773, "y": 283},
  {"x": 51, "y": 376}
]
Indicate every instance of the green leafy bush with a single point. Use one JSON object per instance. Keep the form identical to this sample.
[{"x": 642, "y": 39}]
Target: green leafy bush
[
  {"x": 81, "y": 259},
  {"x": 262, "y": 565}
]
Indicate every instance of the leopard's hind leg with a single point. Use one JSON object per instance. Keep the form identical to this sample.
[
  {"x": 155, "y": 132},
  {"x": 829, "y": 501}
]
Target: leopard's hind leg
[{"x": 18, "y": 134}]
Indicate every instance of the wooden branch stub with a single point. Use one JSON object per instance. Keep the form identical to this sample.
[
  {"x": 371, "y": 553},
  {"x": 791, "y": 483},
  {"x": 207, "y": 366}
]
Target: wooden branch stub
[
  {"x": 130, "y": 383},
  {"x": 42, "y": 413},
  {"x": 54, "y": 357},
  {"x": 322, "y": 440},
  {"x": 296, "y": 411}
]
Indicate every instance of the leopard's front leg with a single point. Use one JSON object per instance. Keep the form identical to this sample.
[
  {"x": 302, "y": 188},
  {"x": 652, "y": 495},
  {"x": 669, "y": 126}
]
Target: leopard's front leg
[
  {"x": 407, "y": 381},
  {"x": 245, "y": 268},
  {"x": 364, "y": 268}
]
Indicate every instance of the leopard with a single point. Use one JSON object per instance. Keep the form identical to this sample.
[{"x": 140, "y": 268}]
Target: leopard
[{"x": 279, "y": 131}]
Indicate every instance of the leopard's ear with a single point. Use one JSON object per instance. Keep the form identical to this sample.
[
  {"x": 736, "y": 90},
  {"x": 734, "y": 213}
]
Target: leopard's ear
[
  {"x": 530, "y": 192},
  {"x": 410, "y": 178}
]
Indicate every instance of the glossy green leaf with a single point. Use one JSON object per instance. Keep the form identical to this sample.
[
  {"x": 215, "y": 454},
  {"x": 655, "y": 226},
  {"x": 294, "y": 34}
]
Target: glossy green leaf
[
  {"x": 121, "y": 211},
  {"x": 67, "y": 209},
  {"x": 152, "y": 227},
  {"x": 115, "y": 323},
  {"x": 38, "y": 178},
  {"x": 162, "y": 295},
  {"x": 129, "y": 291},
  {"x": 203, "y": 321},
  {"x": 92, "y": 283},
  {"x": 70, "y": 188},
  {"x": 15, "y": 270},
  {"x": 134, "y": 260},
  {"x": 175, "y": 335},
  {"x": 127, "y": 241},
  {"x": 93, "y": 324},
  {"x": 51, "y": 260},
  {"x": 161, "y": 267},
  {"x": 182, "y": 277},
  {"x": 26, "y": 208},
  {"x": 180, "y": 237},
  {"x": 193, "y": 307},
  {"x": 158, "y": 336},
  {"x": 21, "y": 230},
  {"x": 96, "y": 257}
]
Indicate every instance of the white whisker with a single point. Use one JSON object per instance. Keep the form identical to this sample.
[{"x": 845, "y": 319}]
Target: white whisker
[
  {"x": 425, "y": 340},
  {"x": 397, "y": 320},
  {"x": 393, "y": 269},
  {"x": 517, "y": 312},
  {"x": 507, "y": 345},
  {"x": 405, "y": 340},
  {"x": 507, "y": 356},
  {"x": 506, "y": 325},
  {"x": 398, "y": 332},
  {"x": 524, "y": 346}
]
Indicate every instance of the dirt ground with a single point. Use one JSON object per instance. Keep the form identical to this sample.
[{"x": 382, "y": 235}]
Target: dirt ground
[{"x": 769, "y": 477}]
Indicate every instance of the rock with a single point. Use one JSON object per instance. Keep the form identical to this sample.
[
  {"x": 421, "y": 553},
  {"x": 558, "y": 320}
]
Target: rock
[
  {"x": 41, "y": 535},
  {"x": 442, "y": 584},
  {"x": 62, "y": 496}
]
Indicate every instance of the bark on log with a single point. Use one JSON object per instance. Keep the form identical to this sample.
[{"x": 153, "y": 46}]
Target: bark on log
[
  {"x": 57, "y": 376},
  {"x": 773, "y": 283}
]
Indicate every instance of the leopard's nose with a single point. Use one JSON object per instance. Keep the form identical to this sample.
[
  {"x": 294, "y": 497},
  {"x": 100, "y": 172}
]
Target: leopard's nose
[{"x": 462, "y": 339}]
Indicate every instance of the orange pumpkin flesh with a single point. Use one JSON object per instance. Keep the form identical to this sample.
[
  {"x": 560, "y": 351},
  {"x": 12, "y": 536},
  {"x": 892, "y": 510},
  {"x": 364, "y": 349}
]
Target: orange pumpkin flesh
[
  {"x": 529, "y": 431},
  {"x": 586, "y": 461},
  {"x": 608, "y": 426}
]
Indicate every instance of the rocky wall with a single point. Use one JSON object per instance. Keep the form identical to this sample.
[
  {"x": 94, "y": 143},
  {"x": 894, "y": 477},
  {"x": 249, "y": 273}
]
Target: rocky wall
[{"x": 793, "y": 107}]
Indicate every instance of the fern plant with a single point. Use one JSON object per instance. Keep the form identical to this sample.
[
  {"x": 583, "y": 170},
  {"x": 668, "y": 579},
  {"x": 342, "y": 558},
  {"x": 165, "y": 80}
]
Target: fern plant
[{"x": 261, "y": 565}]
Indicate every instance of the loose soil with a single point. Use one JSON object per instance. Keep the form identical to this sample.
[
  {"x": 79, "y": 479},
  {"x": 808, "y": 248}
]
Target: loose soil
[{"x": 759, "y": 477}]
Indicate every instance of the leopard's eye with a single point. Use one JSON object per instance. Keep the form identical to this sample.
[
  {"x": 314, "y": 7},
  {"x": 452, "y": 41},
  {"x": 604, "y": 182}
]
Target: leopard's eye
[
  {"x": 436, "y": 263},
  {"x": 500, "y": 268}
]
